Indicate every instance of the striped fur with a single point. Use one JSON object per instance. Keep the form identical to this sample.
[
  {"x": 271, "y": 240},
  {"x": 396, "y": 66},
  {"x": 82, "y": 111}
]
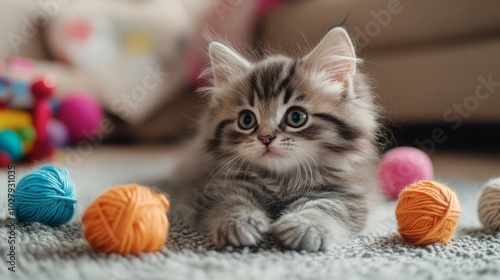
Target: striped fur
[{"x": 312, "y": 192}]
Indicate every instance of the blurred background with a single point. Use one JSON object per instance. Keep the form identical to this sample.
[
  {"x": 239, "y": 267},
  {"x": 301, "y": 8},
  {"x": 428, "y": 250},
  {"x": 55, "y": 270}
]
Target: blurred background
[{"x": 126, "y": 71}]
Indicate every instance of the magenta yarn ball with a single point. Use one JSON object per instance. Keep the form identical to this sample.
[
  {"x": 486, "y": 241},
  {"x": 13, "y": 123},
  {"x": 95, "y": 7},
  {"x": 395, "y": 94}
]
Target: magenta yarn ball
[
  {"x": 58, "y": 133},
  {"x": 81, "y": 114},
  {"x": 401, "y": 167}
]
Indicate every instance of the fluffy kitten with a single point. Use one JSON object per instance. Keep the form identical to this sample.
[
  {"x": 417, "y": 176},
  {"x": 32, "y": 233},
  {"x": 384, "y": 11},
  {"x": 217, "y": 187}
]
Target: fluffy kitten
[{"x": 288, "y": 148}]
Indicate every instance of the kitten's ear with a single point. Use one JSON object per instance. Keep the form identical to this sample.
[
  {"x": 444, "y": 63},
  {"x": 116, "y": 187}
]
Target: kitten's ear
[
  {"x": 335, "y": 55},
  {"x": 225, "y": 62}
]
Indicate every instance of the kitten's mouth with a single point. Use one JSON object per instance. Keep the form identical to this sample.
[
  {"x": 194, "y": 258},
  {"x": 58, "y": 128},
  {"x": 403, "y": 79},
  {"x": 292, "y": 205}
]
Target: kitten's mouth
[{"x": 270, "y": 153}]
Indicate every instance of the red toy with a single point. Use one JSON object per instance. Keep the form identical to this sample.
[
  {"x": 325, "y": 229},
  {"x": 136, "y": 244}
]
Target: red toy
[{"x": 42, "y": 89}]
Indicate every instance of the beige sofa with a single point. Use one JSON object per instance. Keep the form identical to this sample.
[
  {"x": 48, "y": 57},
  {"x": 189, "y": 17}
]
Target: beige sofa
[{"x": 430, "y": 59}]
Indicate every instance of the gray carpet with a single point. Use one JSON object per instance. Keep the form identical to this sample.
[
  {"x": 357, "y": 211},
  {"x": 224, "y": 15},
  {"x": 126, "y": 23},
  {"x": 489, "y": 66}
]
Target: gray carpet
[{"x": 378, "y": 253}]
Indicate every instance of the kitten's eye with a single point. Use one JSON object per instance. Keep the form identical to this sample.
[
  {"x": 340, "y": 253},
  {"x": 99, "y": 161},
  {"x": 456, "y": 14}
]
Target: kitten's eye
[
  {"x": 296, "y": 117},
  {"x": 247, "y": 120}
]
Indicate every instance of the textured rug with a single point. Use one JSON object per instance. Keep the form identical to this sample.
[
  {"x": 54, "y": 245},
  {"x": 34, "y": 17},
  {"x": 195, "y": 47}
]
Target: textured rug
[{"x": 378, "y": 253}]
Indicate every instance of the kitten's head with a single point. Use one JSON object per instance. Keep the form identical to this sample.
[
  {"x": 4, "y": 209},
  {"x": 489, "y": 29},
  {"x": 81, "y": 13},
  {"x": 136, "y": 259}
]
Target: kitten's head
[{"x": 282, "y": 113}]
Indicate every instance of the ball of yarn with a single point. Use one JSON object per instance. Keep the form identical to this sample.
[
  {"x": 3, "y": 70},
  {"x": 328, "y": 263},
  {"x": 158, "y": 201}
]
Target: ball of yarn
[
  {"x": 46, "y": 196},
  {"x": 489, "y": 205},
  {"x": 128, "y": 219},
  {"x": 81, "y": 114},
  {"x": 427, "y": 212},
  {"x": 401, "y": 167},
  {"x": 11, "y": 143}
]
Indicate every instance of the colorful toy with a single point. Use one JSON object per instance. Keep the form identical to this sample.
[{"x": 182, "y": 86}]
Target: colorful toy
[
  {"x": 128, "y": 219},
  {"x": 20, "y": 73},
  {"x": 427, "y": 212},
  {"x": 28, "y": 135},
  {"x": 81, "y": 114},
  {"x": 21, "y": 123},
  {"x": 11, "y": 143},
  {"x": 401, "y": 167},
  {"x": 489, "y": 205},
  {"x": 46, "y": 196},
  {"x": 5, "y": 95},
  {"x": 24, "y": 111},
  {"x": 26, "y": 108},
  {"x": 14, "y": 119}
]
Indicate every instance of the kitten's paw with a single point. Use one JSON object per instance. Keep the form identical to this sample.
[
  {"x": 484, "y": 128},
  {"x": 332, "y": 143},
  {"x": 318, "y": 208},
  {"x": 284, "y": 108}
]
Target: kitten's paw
[
  {"x": 240, "y": 229},
  {"x": 302, "y": 233}
]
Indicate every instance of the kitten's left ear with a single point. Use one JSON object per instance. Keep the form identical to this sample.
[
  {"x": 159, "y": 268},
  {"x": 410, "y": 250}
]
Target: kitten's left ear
[
  {"x": 335, "y": 55},
  {"x": 225, "y": 63}
]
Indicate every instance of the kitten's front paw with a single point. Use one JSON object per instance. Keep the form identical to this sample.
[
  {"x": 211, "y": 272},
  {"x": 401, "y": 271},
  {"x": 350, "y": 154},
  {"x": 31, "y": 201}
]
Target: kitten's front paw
[
  {"x": 298, "y": 232},
  {"x": 240, "y": 229}
]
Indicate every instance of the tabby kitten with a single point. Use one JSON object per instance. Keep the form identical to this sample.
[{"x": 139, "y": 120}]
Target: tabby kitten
[{"x": 289, "y": 148}]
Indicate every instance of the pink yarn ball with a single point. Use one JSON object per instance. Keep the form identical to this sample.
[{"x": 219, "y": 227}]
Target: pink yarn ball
[
  {"x": 401, "y": 167},
  {"x": 81, "y": 114}
]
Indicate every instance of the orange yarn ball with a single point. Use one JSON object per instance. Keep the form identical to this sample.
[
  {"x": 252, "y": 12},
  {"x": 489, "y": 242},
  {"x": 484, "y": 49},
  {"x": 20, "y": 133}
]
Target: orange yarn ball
[
  {"x": 427, "y": 212},
  {"x": 127, "y": 219}
]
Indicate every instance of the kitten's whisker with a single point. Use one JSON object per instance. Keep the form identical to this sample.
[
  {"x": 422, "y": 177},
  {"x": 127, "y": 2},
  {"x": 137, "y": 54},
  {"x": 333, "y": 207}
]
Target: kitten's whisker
[
  {"x": 209, "y": 163},
  {"x": 236, "y": 165},
  {"x": 309, "y": 154},
  {"x": 305, "y": 170},
  {"x": 312, "y": 179},
  {"x": 220, "y": 156},
  {"x": 250, "y": 164},
  {"x": 302, "y": 166},
  {"x": 229, "y": 168},
  {"x": 232, "y": 170},
  {"x": 245, "y": 160},
  {"x": 298, "y": 175},
  {"x": 217, "y": 171}
]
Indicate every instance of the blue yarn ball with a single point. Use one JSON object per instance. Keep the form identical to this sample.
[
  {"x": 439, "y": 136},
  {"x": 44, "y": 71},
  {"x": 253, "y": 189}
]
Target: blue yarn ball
[
  {"x": 46, "y": 196},
  {"x": 11, "y": 143}
]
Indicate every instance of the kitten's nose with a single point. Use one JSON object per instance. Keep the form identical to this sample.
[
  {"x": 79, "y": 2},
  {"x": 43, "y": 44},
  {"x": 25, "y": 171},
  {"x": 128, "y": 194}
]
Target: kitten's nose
[{"x": 266, "y": 140}]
